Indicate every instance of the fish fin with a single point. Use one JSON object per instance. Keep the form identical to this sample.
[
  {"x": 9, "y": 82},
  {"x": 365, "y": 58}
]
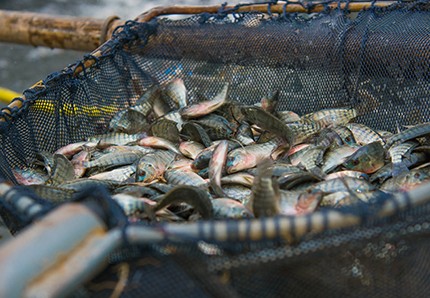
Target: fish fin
[
  {"x": 276, "y": 189},
  {"x": 264, "y": 168},
  {"x": 399, "y": 169},
  {"x": 217, "y": 189},
  {"x": 398, "y": 127},
  {"x": 318, "y": 172}
]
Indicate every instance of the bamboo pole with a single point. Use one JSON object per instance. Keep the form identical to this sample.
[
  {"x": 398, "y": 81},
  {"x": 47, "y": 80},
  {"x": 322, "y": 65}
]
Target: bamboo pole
[
  {"x": 277, "y": 8},
  {"x": 76, "y": 33}
]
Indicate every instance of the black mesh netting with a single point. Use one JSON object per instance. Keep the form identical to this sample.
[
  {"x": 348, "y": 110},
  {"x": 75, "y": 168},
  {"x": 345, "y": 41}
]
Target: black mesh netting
[
  {"x": 385, "y": 258},
  {"x": 377, "y": 61}
]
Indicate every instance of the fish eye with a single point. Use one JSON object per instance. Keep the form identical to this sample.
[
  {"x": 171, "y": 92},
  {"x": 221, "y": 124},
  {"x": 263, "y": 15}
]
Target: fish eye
[
  {"x": 417, "y": 175},
  {"x": 141, "y": 177},
  {"x": 229, "y": 162},
  {"x": 355, "y": 162}
]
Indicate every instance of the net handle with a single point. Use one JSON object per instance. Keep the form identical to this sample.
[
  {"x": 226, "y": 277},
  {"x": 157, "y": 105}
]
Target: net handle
[
  {"x": 263, "y": 8},
  {"x": 65, "y": 32}
]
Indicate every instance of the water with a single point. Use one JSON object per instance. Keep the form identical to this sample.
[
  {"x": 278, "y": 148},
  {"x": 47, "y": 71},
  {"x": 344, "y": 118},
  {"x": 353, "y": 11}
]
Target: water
[{"x": 22, "y": 66}]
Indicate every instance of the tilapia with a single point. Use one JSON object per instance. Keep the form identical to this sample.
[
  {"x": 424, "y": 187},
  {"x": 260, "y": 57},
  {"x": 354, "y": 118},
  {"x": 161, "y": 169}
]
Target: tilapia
[
  {"x": 364, "y": 135},
  {"x": 204, "y": 108},
  {"x": 153, "y": 165},
  {"x": 408, "y": 134},
  {"x": 181, "y": 177},
  {"x": 406, "y": 181},
  {"x": 216, "y": 167},
  {"x": 249, "y": 156},
  {"x": 225, "y": 208},
  {"x": 368, "y": 159},
  {"x": 268, "y": 122},
  {"x": 397, "y": 152}
]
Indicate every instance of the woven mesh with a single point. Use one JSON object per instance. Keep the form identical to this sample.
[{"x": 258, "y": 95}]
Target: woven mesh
[{"x": 377, "y": 61}]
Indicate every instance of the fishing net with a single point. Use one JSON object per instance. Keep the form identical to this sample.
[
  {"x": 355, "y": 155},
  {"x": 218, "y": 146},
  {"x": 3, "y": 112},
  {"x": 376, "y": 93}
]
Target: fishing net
[{"x": 377, "y": 61}]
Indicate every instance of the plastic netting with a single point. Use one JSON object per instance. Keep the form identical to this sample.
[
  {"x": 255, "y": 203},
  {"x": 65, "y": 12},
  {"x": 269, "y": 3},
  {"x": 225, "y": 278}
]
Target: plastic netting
[{"x": 377, "y": 60}]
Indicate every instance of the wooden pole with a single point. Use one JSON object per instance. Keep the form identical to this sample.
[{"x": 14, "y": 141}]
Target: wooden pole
[
  {"x": 277, "y": 8},
  {"x": 76, "y": 33}
]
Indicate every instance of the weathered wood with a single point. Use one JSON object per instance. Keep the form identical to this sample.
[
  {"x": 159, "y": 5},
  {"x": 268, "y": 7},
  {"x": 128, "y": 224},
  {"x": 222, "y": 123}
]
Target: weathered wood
[
  {"x": 76, "y": 33},
  {"x": 278, "y": 8}
]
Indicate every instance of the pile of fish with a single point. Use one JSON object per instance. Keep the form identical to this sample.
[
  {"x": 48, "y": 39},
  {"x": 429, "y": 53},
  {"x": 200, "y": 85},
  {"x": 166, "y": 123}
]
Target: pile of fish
[{"x": 164, "y": 159}]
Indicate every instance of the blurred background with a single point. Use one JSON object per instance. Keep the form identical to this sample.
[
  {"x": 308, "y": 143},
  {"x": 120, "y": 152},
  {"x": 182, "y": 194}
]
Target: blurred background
[{"x": 22, "y": 66}]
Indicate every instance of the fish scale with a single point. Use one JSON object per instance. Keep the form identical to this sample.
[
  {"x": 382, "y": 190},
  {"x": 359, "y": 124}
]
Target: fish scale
[
  {"x": 176, "y": 91},
  {"x": 206, "y": 107},
  {"x": 303, "y": 131},
  {"x": 152, "y": 165},
  {"x": 216, "y": 167},
  {"x": 330, "y": 117},
  {"x": 166, "y": 129},
  {"x": 364, "y": 135},
  {"x": 342, "y": 184},
  {"x": 117, "y": 138},
  {"x": 268, "y": 122},
  {"x": 224, "y": 208},
  {"x": 397, "y": 152},
  {"x": 130, "y": 204},
  {"x": 128, "y": 121},
  {"x": 191, "y": 149},
  {"x": 180, "y": 177},
  {"x": 410, "y": 133},
  {"x": 62, "y": 170},
  {"x": 114, "y": 159},
  {"x": 249, "y": 156},
  {"x": 334, "y": 157},
  {"x": 176, "y": 117},
  {"x": 216, "y": 127},
  {"x": 238, "y": 192},
  {"x": 311, "y": 159},
  {"x": 367, "y": 159},
  {"x": 120, "y": 174},
  {"x": 345, "y": 134},
  {"x": 195, "y": 132},
  {"x": 406, "y": 181},
  {"x": 244, "y": 134}
]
